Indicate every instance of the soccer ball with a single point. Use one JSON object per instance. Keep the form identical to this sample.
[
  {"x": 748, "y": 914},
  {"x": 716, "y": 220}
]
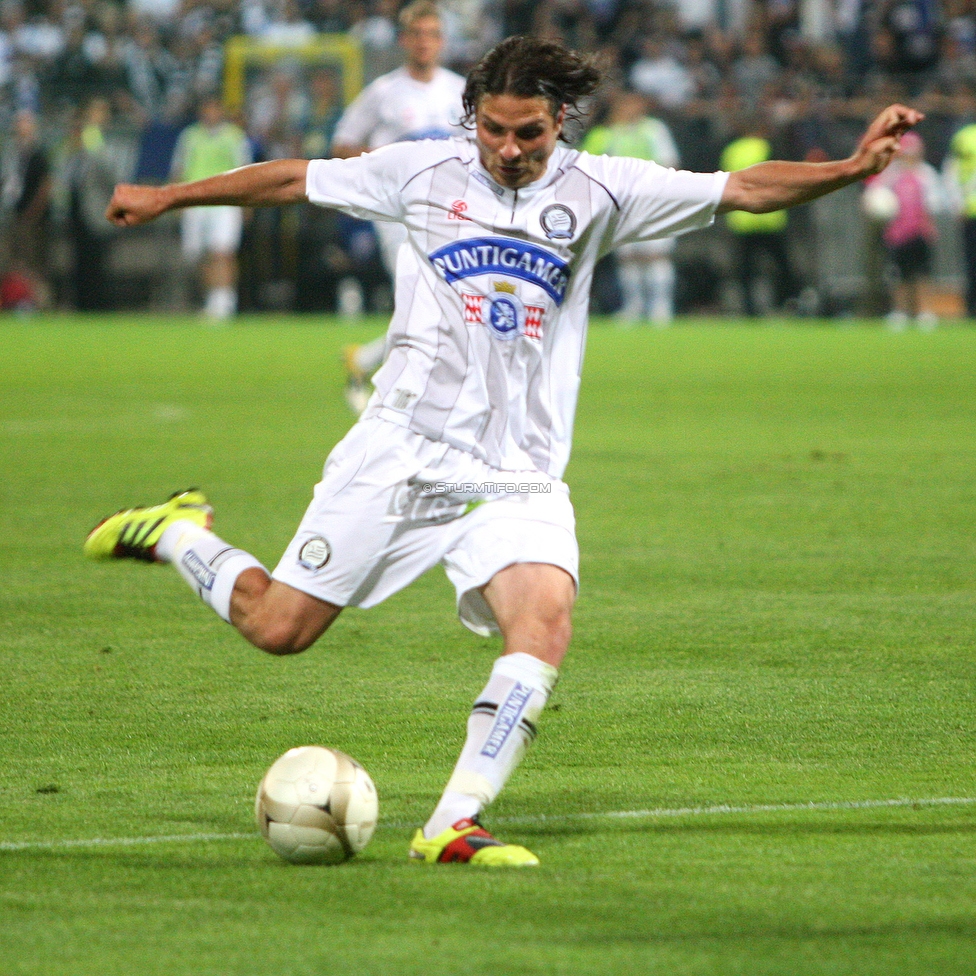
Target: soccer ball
[
  {"x": 316, "y": 806},
  {"x": 880, "y": 203}
]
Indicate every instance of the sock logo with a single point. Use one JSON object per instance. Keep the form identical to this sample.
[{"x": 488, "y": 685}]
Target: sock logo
[
  {"x": 507, "y": 718},
  {"x": 198, "y": 569}
]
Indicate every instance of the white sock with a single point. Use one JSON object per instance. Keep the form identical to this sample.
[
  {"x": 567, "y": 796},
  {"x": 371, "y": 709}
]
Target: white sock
[
  {"x": 221, "y": 302},
  {"x": 660, "y": 288},
  {"x": 209, "y": 565},
  {"x": 500, "y": 728},
  {"x": 631, "y": 277}
]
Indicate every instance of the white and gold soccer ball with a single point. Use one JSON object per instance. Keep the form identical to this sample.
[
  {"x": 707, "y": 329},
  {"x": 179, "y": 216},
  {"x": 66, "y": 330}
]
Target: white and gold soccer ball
[{"x": 316, "y": 806}]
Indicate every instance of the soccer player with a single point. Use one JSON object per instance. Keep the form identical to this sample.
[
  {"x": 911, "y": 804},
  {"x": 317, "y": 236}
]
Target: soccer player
[
  {"x": 420, "y": 100},
  {"x": 459, "y": 457},
  {"x": 211, "y": 236},
  {"x": 646, "y": 268}
]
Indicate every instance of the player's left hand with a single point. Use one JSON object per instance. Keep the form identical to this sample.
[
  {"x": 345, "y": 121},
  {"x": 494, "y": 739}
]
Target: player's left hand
[{"x": 881, "y": 139}]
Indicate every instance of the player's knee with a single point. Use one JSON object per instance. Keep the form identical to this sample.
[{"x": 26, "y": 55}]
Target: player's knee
[{"x": 549, "y": 625}]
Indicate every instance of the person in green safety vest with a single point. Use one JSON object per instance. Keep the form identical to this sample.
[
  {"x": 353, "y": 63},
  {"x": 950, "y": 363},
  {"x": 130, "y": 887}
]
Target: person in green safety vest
[
  {"x": 645, "y": 269},
  {"x": 757, "y": 235},
  {"x": 211, "y": 236},
  {"x": 960, "y": 174}
]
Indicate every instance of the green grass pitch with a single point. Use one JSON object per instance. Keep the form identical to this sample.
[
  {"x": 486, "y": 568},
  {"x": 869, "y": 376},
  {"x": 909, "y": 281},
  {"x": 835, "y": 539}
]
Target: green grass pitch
[{"x": 774, "y": 639}]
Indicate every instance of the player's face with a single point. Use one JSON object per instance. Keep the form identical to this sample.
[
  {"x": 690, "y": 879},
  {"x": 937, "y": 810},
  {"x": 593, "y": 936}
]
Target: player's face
[
  {"x": 516, "y": 136},
  {"x": 423, "y": 42}
]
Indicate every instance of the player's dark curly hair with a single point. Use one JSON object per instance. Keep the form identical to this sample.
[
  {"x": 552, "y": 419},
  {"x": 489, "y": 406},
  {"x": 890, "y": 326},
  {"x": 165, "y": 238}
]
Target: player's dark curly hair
[{"x": 532, "y": 68}]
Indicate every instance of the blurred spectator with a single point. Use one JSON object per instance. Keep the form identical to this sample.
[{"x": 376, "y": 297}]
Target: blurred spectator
[
  {"x": 912, "y": 191},
  {"x": 755, "y": 71},
  {"x": 290, "y": 27},
  {"x": 323, "y": 111},
  {"x": 960, "y": 172},
  {"x": 150, "y": 69},
  {"x": 74, "y": 77},
  {"x": 26, "y": 197},
  {"x": 212, "y": 235},
  {"x": 646, "y": 268},
  {"x": 160, "y": 11},
  {"x": 329, "y": 16},
  {"x": 421, "y": 100},
  {"x": 157, "y": 140},
  {"x": 661, "y": 76},
  {"x": 91, "y": 179},
  {"x": 757, "y": 236},
  {"x": 277, "y": 107},
  {"x": 914, "y": 28}
]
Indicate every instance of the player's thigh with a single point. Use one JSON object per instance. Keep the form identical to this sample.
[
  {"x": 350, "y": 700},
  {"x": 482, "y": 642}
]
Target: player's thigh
[
  {"x": 535, "y": 595},
  {"x": 532, "y": 530}
]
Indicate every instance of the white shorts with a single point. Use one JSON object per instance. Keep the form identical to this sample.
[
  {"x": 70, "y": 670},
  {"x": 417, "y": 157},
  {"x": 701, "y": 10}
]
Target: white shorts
[
  {"x": 210, "y": 230},
  {"x": 392, "y": 504}
]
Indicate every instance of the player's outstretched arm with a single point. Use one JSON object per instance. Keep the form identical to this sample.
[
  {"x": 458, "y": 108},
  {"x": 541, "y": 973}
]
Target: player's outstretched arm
[
  {"x": 271, "y": 184},
  {"x": 776, "y": 185}
]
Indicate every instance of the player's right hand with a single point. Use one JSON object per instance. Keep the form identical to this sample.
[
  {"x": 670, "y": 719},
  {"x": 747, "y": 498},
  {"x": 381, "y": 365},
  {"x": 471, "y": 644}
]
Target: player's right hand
[{"x": 132, "y": 205}]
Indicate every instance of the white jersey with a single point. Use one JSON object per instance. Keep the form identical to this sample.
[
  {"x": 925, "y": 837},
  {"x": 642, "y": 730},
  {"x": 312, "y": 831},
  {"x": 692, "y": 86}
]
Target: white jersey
[
  {"x": 485, "y": 348},
  {"x": 396, "y": 107}
]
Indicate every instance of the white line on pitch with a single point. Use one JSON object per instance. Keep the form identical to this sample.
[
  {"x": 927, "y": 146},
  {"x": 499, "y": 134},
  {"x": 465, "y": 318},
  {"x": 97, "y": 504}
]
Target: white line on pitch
[{"x": 660, "y": 813}]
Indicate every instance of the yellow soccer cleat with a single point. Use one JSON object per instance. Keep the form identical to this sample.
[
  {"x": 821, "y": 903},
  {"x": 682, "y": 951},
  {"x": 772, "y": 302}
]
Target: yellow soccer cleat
[
  {"x": 133, "y": 533},
  {"x": 467, "y": 842}
]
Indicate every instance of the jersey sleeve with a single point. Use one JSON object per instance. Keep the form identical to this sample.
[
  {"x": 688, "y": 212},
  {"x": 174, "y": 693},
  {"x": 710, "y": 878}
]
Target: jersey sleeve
[
  {"x": 654, "y": 201},
  {"x": 370, "y": 186}
]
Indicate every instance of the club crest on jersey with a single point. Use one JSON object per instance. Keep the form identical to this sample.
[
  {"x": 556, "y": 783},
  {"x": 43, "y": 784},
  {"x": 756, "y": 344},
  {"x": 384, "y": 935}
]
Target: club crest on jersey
[
  {"x": 558, "y": 222},
  {"x": 503, "y": 256},
  {"x": 505, "y": 314}
]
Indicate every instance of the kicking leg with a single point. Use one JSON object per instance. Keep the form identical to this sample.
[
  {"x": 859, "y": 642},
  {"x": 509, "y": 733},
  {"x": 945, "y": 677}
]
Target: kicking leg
[
  {"x": 532, "y": 603},
  {"x": 273, "y": 616}
]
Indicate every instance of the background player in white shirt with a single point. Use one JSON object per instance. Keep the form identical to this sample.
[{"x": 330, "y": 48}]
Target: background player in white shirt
[
  {"x": 476, "y": 399},
  {"x": 420, "y": 100}
]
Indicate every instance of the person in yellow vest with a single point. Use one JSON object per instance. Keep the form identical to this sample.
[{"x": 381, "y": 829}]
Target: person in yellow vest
[
  {"x": 960, "y": 173},
  {"x": 211, "y": 236},
  {"x": 757, "y": 235},
  {"x": 645, "y": 269}
]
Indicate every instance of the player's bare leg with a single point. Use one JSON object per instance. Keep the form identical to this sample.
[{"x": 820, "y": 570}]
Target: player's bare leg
[
  {"x": 273, "y": 616},
  {"x": 532, "y": 603},
  {"x": 276, "y": 617},
  {"x": 219, "y": 273}
]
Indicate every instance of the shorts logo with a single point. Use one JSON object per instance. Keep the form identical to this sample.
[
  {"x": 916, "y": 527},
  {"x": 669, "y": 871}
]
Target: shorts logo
[
  {"x": 315, "y": 553},
  {"x": 558, "y": 222}
]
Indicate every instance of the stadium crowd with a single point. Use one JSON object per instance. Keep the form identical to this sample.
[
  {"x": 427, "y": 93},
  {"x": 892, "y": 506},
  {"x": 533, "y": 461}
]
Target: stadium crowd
[{"x": 76, "y": 74}]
